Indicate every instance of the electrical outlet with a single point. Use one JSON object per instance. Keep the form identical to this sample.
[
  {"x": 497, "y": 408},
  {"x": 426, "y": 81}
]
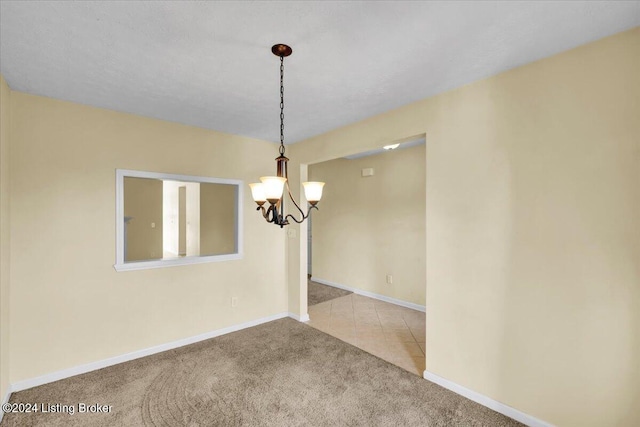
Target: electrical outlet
[
  {"x": 389, "y": 279},
  {"x": 234, "y": 302}
]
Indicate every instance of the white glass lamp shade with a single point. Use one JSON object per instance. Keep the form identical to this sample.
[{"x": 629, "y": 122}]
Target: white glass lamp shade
[
  {"x": 313, "y": 191},
  {"x": 257, "y": 192},
  {"x": 273, "y": 187}
]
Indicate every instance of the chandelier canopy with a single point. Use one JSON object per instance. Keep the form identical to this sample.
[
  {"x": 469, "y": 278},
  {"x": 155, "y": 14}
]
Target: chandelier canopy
[{"x": 271, "y": 188}]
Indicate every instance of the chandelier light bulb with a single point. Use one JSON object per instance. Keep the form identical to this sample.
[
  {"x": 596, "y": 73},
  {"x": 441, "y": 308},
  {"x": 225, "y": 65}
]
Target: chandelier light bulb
[
  {"x": 257, "y": 192},
  {"x": 273, "y": 187},
  {"x": 313, "y": 191}
]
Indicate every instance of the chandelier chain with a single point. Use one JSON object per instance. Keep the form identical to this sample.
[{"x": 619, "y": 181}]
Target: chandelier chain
[
  {"x": 281, "y": 105},
  {"x": 268, "y": 190}
]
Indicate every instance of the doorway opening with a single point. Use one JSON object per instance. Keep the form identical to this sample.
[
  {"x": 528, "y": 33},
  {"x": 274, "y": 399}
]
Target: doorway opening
[{"x": 366, "y": 252}]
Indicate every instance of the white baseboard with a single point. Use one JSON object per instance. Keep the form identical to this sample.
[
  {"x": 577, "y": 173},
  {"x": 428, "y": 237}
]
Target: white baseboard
[
  {"x": 486, "y": 401},
  {"x": 304, "y": 318},
  {"x": 450, "y": 385},
  {"x": 395, "y": 301},
  {"x": 5, "y": 399},
  {"x": 77, "y": 370}
]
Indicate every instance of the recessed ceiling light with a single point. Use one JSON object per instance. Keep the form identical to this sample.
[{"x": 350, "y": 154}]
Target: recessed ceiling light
[{"x": 391, "y": 147}]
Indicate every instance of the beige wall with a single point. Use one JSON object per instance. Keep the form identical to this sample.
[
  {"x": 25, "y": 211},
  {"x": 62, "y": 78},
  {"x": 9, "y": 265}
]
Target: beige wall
[
  {"x": 69, "y": 306},
  {"x": 143, "y": 204},
  {"x": 368, "y": 227},
  {"x": 532, "y": 216},
  {"x": 533, "y": 231},
  {"x": 5, "y": 124},
  {"x": 217, "y": 219}
]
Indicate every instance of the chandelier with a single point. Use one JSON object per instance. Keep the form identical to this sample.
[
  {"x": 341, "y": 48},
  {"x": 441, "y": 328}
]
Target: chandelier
[{"x": 271, "y": 188}]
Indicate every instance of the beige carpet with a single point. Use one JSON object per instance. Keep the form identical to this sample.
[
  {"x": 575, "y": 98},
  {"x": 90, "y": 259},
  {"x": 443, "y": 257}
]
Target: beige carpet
[
  {"x": 282, "y": 373},
  {"x": 317, "y": 293}
]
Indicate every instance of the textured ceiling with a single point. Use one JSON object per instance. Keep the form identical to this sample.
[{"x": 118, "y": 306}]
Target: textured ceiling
[{"x": 209, "y": 64}]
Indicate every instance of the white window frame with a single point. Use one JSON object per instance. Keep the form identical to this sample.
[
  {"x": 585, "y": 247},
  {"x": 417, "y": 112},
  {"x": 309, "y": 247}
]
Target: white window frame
[{"x": 121, "y": 265}]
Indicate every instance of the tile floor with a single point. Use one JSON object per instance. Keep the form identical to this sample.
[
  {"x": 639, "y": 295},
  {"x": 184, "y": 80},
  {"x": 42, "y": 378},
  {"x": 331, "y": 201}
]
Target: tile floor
[{"x": 393, "y": 333}]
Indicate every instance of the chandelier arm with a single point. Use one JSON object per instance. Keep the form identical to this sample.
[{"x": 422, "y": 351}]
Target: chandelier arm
[
  {"x": 270, "y": 214},
  {"x": 303, "y": 215},
  {"x": 265, "y": 213},
  {"x": 293, "y": 218},
  {"x": 275, "y": 215},
  {"x": 278, "y": 218},
  {"x": 293, "y": 200}
]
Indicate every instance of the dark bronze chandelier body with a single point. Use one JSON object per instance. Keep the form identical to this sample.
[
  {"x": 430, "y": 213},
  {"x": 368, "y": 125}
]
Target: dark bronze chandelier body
[{"x": 271, "y": 188}]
